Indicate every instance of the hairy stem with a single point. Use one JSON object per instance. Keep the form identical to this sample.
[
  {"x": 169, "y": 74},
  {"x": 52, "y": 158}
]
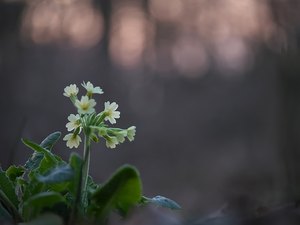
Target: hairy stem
[{"x": 85, "y": 170}]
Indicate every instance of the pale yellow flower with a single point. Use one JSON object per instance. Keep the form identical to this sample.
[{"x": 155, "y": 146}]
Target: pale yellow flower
[
  {"x": 74, "y": 122},
  {"x": 72, "y": 140},
  {"x": 71, "y": 90},
  {"x": 121, "y": 136},
  {"x": 111, "y": 142},
  {"x": 91, "y": 89},
  {"x": 110, "y": 112},
  {"x": 85, "y": 105},
  {"x": 131, "y": 133}
]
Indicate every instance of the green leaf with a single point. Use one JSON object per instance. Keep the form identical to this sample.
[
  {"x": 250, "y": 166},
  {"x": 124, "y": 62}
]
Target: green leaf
[
  {"x": 91, "y": 186},
  {"x": 41, "y": 167},
  {"x": 47, "y": 143},
  {"x": 39, "y": 149},
  {"x": 162, "y": 201},
  {"x": 74, "y": 195},
  {"x": 59, "y": 174},
  {"x": 48, "y": 175},
  {"x": 48, "y": 160},
  {"x": 122, "y": 191},
  {"x": 33, "y": 187},
  {"x": 8, "y": 197},
  {"x": 76, "y": 162},
  {"x": 34, "y": 161},
  {"x": 39, "y": 202},
  {"x": 45, "y": 166},
  {"x": 50, "y": 140},
  {"x": 7, "y": 187},
  {"x": 56, "y": 179},
  {"x": 14, "y": 171}
]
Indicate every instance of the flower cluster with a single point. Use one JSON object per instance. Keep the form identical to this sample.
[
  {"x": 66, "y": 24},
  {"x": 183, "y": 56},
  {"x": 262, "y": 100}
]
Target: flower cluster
[{"x": 92, "y": 123}]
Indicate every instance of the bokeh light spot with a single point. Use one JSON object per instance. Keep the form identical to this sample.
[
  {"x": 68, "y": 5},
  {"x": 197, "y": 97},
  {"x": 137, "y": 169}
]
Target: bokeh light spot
[
  {"x": 49, "y": 21},
  {"x": 128, "y": 36}
]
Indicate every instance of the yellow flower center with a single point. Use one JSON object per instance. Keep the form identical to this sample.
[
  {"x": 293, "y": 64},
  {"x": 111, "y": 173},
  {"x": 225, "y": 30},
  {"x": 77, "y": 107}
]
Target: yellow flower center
[{"x": 85, "y": 106}]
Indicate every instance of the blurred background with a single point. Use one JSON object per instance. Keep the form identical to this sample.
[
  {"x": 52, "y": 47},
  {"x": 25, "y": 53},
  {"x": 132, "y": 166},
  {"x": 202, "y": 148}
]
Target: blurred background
[{"x": 211, "y": 85}]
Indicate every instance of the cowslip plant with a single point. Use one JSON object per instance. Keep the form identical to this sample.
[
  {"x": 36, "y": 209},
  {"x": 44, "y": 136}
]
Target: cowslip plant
[{"x": 48, "y": 189}]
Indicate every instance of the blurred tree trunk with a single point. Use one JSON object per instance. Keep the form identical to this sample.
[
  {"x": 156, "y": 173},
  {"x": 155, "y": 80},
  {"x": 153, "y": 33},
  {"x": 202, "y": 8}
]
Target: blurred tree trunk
[
  {"x": 10, "y": 18},
  {"x": 286, "y": 15},
  {"x": 290, "y": 82}
]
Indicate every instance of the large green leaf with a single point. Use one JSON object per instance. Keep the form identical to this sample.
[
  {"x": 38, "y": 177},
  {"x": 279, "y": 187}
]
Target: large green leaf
[
  {"x": 32, "y": 188},
  {"x": 7, "y": 187},
  {"x": 57, "y": 178},
  {"x": 39, "y": 202},
  {"x": 45, "y": 166},
  {"x": 59, "y": 174},
  {"x": 34, "y": 185},
  {"x": 34, "y": 161},
  {"x": 8, "y": 197},
  {"x": 14, "y": 171},
  {"x": 91, "y": 187},
  {"x": 75, "y": 162},
  {"x": 48, "y": 161},
  {"x": 122, "y": 191},
  {"x": 50, "y": 140},
  {"x": 74, "y": 195},
  {"x": 51, "y": 174},
  {"x": 36, "y": 147},
  {"x": 47, "y": 143}
]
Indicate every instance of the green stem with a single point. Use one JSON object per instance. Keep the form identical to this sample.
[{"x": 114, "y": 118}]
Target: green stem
[
  {"x": 99, "y": 118},
  {"x": 85, "y": 170}
]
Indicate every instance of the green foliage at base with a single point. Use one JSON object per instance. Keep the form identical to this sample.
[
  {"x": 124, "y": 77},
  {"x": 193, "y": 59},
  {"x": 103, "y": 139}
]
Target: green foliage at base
[{"x": 49, "y": 187}]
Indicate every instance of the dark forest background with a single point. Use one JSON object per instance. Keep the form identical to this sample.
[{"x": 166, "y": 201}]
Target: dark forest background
[{"x": 212, "y": 87}]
